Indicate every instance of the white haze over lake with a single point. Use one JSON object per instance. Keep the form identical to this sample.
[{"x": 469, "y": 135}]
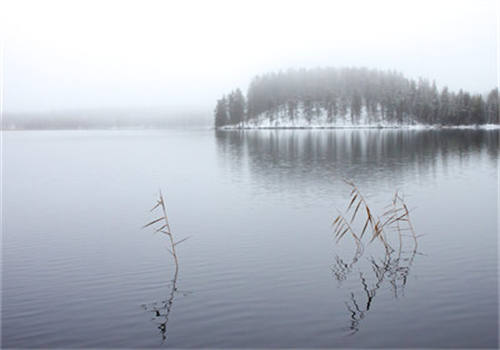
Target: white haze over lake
[{"x": 60, "y": 55}]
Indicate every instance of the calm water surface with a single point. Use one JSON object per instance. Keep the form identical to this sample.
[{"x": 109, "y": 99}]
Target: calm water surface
[{"x": 262, "y": 268}]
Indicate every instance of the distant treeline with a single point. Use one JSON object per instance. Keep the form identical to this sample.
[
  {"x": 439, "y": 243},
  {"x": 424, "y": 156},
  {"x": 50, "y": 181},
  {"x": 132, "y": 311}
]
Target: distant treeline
[
  {"x": 349, "y": 93},
  {"x": 107, "y": 119}
]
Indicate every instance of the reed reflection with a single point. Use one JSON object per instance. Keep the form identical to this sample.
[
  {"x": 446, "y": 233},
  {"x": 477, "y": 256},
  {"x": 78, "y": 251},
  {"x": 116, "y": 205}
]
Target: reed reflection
[
  {"x": 389, "y": 270},
  {"x": 161, "y": 310}
]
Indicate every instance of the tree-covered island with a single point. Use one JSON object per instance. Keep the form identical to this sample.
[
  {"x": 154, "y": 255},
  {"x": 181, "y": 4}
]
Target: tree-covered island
[{"x": 343, "y": 97}]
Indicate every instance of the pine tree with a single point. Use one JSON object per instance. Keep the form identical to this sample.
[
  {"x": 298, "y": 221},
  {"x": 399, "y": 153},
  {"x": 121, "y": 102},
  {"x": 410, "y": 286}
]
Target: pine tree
[
  {"x": 236, "y": 107},
  {"x": 492, "y": 110},
  {"x": 477, "y": 110},
  {"x": 444, "y": 106},
  {"x": 356, "y": 105},
  {"x": 221, "y": 117}
]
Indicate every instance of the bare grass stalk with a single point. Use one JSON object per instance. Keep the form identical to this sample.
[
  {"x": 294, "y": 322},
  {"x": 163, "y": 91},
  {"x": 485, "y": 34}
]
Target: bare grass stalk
[{"x": 165, "y": 229}]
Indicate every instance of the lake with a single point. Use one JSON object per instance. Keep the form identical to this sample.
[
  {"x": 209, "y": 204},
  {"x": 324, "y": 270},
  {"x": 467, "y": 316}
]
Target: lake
[{"x": 261, "y": 267}]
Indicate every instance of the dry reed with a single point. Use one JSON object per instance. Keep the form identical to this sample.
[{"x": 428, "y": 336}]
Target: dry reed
[
  {"x": 393, "y": 269},
  {"x": 397, "y": 215},
  {"x": 165, "y": 229},
  {"x": 163, "y": 311}
]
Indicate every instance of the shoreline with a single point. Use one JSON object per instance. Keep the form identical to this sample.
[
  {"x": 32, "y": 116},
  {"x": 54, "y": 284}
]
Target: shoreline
[{"x": 361, "y": 127}]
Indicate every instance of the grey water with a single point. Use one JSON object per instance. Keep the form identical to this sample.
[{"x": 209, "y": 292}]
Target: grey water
[{"x": 261, "y": 268}]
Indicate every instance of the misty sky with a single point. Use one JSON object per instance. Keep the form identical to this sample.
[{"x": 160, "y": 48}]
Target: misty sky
[{"x": 185, "y": 54}]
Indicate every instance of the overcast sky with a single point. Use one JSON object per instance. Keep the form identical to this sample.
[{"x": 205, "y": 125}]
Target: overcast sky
[{"x": 89, "y": 54}]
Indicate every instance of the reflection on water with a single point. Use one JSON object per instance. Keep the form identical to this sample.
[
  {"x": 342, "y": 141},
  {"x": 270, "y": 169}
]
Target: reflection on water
[
  {"x": 390, "y": 270},
  {"x": 436, "y": 166},
  {"x": 260, "y": 204},
  {"x": 349, "y": 153},
  {"x": 161, "y": 310}
]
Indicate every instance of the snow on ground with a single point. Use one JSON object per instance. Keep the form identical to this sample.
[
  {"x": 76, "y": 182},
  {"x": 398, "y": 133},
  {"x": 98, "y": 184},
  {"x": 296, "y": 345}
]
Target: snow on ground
[{"x": 319, "y": 120}]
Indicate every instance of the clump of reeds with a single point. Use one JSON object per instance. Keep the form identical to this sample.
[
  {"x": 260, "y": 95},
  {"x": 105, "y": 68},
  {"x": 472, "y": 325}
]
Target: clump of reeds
[
  {"x": 164, "y": 228},
  {"x": 360, "y": 221},
  {"x": 395, "y": 217}
]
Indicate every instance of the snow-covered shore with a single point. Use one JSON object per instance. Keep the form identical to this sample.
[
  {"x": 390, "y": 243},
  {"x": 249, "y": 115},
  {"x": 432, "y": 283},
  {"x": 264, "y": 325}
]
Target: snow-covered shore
[
  {"x": 359, "y": 126},
  {"x": 281, "y": 120}
]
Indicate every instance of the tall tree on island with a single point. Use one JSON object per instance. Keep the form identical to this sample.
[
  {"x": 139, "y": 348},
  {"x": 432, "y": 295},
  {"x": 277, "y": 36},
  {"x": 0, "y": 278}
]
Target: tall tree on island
[
  {"x": 236, "y": 107},
  {"x": 492, "y": 110},
  {"x": 221, "y": 116}
]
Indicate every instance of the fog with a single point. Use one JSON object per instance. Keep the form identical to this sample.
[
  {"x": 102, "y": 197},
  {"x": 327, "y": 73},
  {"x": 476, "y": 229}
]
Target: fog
[{"x": 70, "y": 55}]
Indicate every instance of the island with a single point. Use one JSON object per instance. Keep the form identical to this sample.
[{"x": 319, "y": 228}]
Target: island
[{"x": 352, "y": 98}]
